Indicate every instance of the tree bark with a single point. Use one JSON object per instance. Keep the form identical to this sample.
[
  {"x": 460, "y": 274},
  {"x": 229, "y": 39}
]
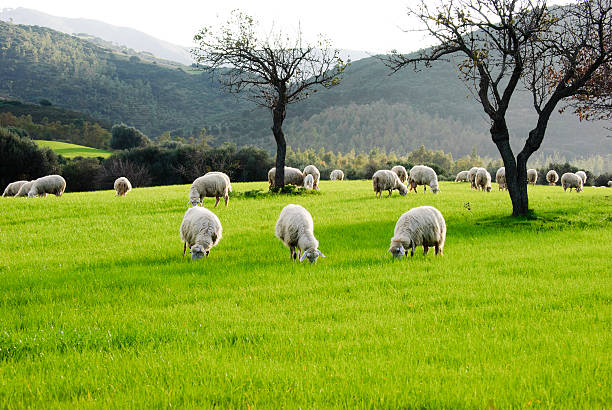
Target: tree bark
[{"x": 278, "y": 115}]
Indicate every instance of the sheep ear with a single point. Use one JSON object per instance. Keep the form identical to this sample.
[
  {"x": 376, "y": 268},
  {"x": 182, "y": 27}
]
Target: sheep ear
[
  {"x": 321, "y": 254},
  {"x": 303, "y": 256}
]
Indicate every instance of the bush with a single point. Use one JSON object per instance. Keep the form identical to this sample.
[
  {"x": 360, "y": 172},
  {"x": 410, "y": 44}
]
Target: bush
[
  {"x": 115, "y": 167},
  {"x": 602, "y": 180},
  {"x": 81, "y": 174},
  {"x": 124, "y": 137}
]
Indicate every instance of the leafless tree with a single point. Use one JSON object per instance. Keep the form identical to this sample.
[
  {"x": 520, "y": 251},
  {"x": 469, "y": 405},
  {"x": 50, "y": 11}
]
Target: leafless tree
[
  {"x": 503, "y": 43},
  {"x": 272, "y": 70},
  {"x": 138, "y": 175}
]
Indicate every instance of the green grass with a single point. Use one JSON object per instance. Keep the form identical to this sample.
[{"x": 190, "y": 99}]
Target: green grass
[
  {"x": 99, "y": 309},
  {"x": 72, "y": 150}
]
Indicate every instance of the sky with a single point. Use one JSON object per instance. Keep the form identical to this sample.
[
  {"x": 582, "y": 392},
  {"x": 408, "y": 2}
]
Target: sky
[{"x": 371, "y": 26}]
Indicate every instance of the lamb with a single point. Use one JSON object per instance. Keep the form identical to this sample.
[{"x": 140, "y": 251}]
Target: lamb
[
  {"x": 582, "y": 176},
  {"x": 423, "y": 175},
  {"x": 532, "y": 176},
  {"x": 571, "y": 180},
  {"x": 316, "y": 175},
  {"x": 472, "y": 176},
  {"x": 200, "y": 230},
  {"x": 50, "y": 184},
  {"x": 293, "y": 176},
  {"x": 552, "y": 177},
  {"x": 420, "y": 226},
  {"x": 122, "y": 186},
  {"x": 25, "y": 188},
  {"x": 385, "y": 180},
  {"x": 401, "y": 173},
  {"x": 500, "y": 178},
  {"x": 463, "y": 177},
  {"x": 13, "y": 188},
  {"x": 309, "y": 181},
  {"x": 295, "y": 229},
  {"x": 336, "y": 175},
  {"x": 211, "y": 184},
  {"x": 483, "y": 180}
]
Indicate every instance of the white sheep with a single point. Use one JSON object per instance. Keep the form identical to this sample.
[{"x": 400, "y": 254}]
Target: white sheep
[
  {"x": 309, "y": 181},
  {"x": 609, "y": 184},
  {"x": 50, "y": 184},
  {"x": 211, "y": 184},
  {"x": 296, "y": 230},
  {"x": 462, "y": 176},
  {"x": 293, "y": 176},
  {"x": 423, "y": 175},
  {"x": 571, "y": 180},
  {"x": 25, "y": 188},
  {"x": 401, "y": 173},
  {"x": 200, "y": 231},
  {"x": 13, "y": 188},
  {"x": 385, "y": 180},
  {"x": 336, "y": 175},
  {"x": 532, "y": 176},
  {"x": 316, "y": 175},
  {"x": 420, "y": 226},
  {"x": 500, "y": 178},
  {"x": 552, "y": 177},
  {"x": 472, "y": 176},
  {"x": 483, "y": 180},
  {"x": 122, "y": 186},
  {"x": 582, "y": 176}
]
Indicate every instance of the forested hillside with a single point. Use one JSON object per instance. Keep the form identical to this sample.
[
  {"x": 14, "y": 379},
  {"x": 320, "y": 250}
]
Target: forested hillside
[{"x": 369, "y": 109}]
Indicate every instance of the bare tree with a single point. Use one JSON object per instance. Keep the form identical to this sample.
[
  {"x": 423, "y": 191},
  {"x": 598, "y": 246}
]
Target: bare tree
[
  {"x": 272, "y": 71},
  {"x": 505, "y": 42}
]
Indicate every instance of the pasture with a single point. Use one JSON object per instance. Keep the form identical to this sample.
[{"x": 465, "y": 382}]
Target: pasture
[
  {"x": 69, "y": 150},
  {"x": 99, "y": 309}
]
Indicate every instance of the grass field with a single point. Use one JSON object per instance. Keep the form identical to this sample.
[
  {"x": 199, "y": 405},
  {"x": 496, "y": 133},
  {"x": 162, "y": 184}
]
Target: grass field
[
  {"x": 72, "y": 150},
  {"x": 99, "y": 309}
]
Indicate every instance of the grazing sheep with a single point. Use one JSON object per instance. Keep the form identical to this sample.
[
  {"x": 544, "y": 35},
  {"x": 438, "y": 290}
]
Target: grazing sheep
[
  {"x": 500, "y": 178},
  {"x": 423, "y": 175},
  {"x": 309, "y": 181},
  {"x": 472, "y": 176},
  {"x": 385, "y": 180},
  {"x": 463, "y": 176},
  {"x": 336, "y": 175},
  {"x": 50, "y": 184},
  {"x": 532, "y": 176},
  {"x": 571, "y": 180},
  {"x": 609, "y": 184},
  {"x": 122, "y": 186},
  {"x": 25, "y": 188},
  {"x": 401, "y": 173},
  {"x": 316, "y": 175},
  {"x": 483, "y": 180},
  {"x": 200, "y": 231},
  {"x": 552, "y": 177},
  {"x": 293, "y": 176},
  {"x": 420, "y": 226},
  {"x": 582, "y": 176},
  {"x": 13, "y": 188},
  {"x": 211, "y": 184},
  {"x": 295, "y": 228}
]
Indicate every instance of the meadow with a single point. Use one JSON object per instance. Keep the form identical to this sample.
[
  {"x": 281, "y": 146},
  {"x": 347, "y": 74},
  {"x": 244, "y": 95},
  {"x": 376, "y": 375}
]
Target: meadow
[
  {"x": 100, "y": 309},
  {"x": 69, "y": 150}
]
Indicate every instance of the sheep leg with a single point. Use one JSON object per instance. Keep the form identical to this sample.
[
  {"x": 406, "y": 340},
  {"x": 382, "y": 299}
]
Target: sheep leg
[
  {"x": 226, "y": 200},
  {"x": 292, "y": 251},
  {"x": 412, "y": 250},
  {"x": 437, "y": 249},
  {"x": 389, "y": 193},
  {"x": 184, "y": 248},
  {"x": 425, "y": 250},
  {"x": 217, "y": 201}
]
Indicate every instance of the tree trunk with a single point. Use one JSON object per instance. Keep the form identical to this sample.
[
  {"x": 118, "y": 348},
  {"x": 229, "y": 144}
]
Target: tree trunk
[{"x": 278, "y": 115}]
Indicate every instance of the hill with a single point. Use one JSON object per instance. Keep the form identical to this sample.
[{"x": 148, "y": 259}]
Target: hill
[{"x": 73, "y": 150}]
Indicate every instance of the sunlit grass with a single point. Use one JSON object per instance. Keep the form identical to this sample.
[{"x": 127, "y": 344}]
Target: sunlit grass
[{"x": 69, "y": 150}]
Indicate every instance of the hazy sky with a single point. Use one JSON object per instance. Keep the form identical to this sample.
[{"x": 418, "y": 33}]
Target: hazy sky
[{"x": 373, "y": 26}]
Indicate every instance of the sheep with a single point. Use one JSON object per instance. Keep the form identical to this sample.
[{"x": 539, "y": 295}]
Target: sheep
[
  {"x": 401, "y": 173},
  {"x": 13, "y": 188},
  {"x": 532, "y": 176},
  {"x": 385, "y": 180},
  {"x": 50, "y": 184},
  {"x": 582, "y": 176},
  {"x": 500, "y": 178},
  {"x": 309, "y": 181},
  {"x": 211, "y": 184},
  {"x": 552, "y": 177},
  {"x": 122, "y": 186},
  {"x": 293, "y": 176},
  {"x": 483, "y": 180},
  {"x": 25, "y": 188},
  {"x": 200, "y": 231},
  {"x": 295, "y": 229},
  {"x": 423, "y": 175},
  {"x": 316, "y": 175},
  {"x": 571, "y": 180},
  {"x": 609, "y": 184},
  {"x": 472, "y": 176},
  {"x": 420, "y": 226},
  {"x": 463, "y": 177},
  {"x": 336, "y": 175}
]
